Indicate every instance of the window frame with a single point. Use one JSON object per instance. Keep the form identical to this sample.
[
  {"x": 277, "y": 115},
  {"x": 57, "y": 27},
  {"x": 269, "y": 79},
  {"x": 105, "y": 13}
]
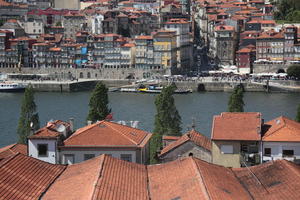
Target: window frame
[
  {"x": 88, "y": 156},
  {"x": 226, "y": 151},
  {"x": 130, "y": 156},
  {"x": 288, "y": 155},
  {"x": 47, "y": 150},
  {"x": 268, "y": 154}
]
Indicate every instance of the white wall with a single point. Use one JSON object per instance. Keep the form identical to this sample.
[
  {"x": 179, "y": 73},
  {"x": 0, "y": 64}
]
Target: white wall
[
  {"x": 33, "y": 151},
  {"x": 277, "y": 147},
  {"x": 79, "y": 154}
]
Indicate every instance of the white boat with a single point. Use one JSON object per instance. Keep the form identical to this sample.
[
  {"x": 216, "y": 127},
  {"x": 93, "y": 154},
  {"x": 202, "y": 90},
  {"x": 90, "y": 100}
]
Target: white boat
[{"x": 11, "y": 87}]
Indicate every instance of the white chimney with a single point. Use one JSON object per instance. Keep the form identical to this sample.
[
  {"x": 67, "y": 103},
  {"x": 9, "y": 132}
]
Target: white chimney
[{"x": 71, "y": 121}]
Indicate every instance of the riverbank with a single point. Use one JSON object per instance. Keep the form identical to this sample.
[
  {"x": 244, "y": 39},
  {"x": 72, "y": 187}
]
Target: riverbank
[{"x": 201, "y": 85}]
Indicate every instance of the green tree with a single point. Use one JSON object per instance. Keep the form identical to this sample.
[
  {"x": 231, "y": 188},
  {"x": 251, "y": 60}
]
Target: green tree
[
  {"x": 155, "y": 146},
  {"x": 167, "y": 119},
  {"x": 298, "y": 114},
  {"x": 29, "y": 118},
  {"x": 236, "y": 102},
  {"x": 99, "y": 103},
  {"x": 294, "y": 71}
]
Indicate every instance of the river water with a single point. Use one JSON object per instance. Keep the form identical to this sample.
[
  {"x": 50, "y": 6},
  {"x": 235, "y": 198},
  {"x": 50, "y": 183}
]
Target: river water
[{"x": 140, "y": 107}]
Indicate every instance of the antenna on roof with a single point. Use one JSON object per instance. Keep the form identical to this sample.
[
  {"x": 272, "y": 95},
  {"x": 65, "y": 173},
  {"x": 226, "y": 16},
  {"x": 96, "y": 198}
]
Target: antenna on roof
[
  {"x": 193, "y": 123},
  {"x": 255, "y": 177}
]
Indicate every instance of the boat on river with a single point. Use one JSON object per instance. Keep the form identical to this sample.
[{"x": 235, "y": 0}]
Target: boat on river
[
  {"x": 11, "y": 87},
  {"x": 157, "y": 89}
]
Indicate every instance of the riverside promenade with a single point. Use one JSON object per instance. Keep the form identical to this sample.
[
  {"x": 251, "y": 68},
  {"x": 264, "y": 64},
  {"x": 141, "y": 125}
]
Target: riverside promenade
[{"x": 209, "y": 84}]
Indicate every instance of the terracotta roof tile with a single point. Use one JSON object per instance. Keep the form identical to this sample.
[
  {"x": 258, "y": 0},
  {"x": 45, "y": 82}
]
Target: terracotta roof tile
[
  {"x": 121, "y": 180},
  {"x": 282, "y": 129},
  {"x": 50, "y": 131},
  {"x": 272, "y": 180},
  {"x": 23, "y": 177},
  {"x": 220, "y": 182},
  {"x": 178, "y": 179},
  {"x": 76, "y": 182},
  {"x": 193, "y": 136},
  {"x": 12, "y": 150},
  {"x": 107, "y": 134},
  {"x": 237, "y": 126}
]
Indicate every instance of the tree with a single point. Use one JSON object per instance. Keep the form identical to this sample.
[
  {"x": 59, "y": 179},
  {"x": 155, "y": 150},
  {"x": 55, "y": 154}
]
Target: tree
[
  {"x": 155, "y": 146},
  {"x": 294, "y": 71},
  {"x": 298, "y": 114},
  {"x": 236, "y": 102},
  {"x": 99, "y": 103},
  {"x": 29, "y": 118},
  {"x": 167, "y": 119}
]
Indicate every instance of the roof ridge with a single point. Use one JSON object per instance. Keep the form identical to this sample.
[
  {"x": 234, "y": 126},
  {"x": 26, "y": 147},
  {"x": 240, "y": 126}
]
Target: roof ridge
[
  {"x": 9, "y": 158},
  {"x": 120, "y": 132},
  {"x": 102, "y": 159},
  {"x": 201, "y": 179},
  {"x": 54, "y": 180},
  {"x": 148, "y": 182}
]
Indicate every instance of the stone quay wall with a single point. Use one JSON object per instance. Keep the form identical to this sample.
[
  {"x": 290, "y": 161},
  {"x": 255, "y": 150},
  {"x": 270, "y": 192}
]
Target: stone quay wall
[{"x": 266, "y": 68}]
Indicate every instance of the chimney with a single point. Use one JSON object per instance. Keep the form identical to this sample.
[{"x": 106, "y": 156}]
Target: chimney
[
  {"x": 71, "y": 121},
  {"x": 89, "y": 122}
]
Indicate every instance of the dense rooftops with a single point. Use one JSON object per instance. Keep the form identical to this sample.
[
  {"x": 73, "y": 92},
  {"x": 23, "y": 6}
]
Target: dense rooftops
[{"x": 108, "y": 178}]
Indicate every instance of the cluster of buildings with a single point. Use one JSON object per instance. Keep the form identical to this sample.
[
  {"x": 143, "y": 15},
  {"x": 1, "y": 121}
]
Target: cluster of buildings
[
  {"x": 106, "y": 160},
  {"x": 144, "y": 35},
  {"x": 244, "y": 33}
]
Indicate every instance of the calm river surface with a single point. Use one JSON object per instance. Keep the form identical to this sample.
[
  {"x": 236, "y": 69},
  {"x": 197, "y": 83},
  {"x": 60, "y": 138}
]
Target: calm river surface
[{"x": 140, "y": 107}]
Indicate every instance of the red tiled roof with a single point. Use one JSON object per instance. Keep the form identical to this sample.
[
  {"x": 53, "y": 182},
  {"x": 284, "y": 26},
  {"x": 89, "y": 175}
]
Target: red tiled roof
[
  {"x": 224, "y": 28},
  {"x": 49, "y": 131},
  {"x": 107, "y": 134},
  {"x": 193, "y": 136},
  {"x": 106, "y": 178},
  {"x": 237, "y": 126},
  {"x": 23, "y": 177},
  {"x": 144, "y": 37},
  {"x": 271, "y": 180},
  {"x": 12, "y": 150},
  {"x": 282, "y": 129},
  {"x": 169, "y": 137}
]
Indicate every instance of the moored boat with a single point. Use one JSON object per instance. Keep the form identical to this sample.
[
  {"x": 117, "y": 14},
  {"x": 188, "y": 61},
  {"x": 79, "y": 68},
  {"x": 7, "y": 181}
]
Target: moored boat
[{"x": 11, "y": 87}]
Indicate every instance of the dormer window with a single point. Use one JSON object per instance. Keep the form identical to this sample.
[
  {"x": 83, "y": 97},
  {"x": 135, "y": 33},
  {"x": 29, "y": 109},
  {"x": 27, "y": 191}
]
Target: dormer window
[{"x": 42, "y": 150}]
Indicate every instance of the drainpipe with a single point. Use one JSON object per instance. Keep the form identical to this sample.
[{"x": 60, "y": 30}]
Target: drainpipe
[{"x": 261, "y": 150}]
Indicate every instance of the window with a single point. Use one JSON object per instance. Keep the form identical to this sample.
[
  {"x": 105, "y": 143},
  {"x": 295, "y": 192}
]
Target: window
[
  {"x": 88, "y": 156},
  {"x": 227, "y": 149},
  {"x": 287, "y": 153},
  {"x": 267, "y": 152},
  {"x": 42, "y": 150},
  {"x": 126, "y": 157}
]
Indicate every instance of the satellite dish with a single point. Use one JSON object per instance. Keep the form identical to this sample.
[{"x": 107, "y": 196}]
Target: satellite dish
[{"x": 61, "y": 128}]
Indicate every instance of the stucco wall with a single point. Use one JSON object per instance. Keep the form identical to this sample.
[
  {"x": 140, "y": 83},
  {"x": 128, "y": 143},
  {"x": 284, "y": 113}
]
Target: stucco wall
[
  {"x": 185, "y": 149},
  {"x": 226, "y": 160},
  {"x": 33, "y": 151},
  {"x": 79, "y": 154},
  {"x": 277, "y": 147}
]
